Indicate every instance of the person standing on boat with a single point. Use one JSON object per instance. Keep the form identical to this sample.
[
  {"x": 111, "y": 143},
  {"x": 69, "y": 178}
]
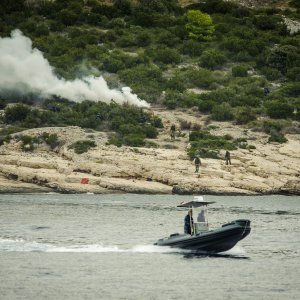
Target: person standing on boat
[{"x": 189, "y": 222}]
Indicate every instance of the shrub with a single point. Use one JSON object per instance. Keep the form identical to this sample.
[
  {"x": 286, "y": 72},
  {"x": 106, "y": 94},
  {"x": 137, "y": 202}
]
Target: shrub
[
  {"x": 176, "y": 84},
  {"x": 16, "y": 113},
  {"x": 126, "y": 41},
  {"x": 244, "y": 115},
  {"x": 143, "y": 75},
  {"x": 28, "y": 142},
  {"x": 2, "y": 103},
  {"x": 50, "y": 139},
  {"x": 293, "y": 74},
  {"x": 241, "y": 143},
  {"x": 277, "y": 137},
  {"x": 147, "y": 130},
  {"x": 284, "y": 57},
  {"x": 4, "y": 139},
  {"x": 82, "y": 146},
  {"x": 157, "y": 122},
  {"x": 167, "y": 38},
  {"x": 150, "y": 131},
  {"x": 274, "y": 125},
  {"x": 201, "y": 78},
  {"x": 291, "y": 89},
  {"x": 206, "y": 106},
  {"x": 265, "y": 22},
  {"x": 220, "y": 95},
  {"x": 233, "y": 44},
  {"x": 240, "y": 71},
  {"x": 41, "y": 30},
  {"x": 185, "y": 125},
  {"x": 242, "y": 56},
  {"x": 143, "y": 39},
  {"x": 207, "y": 145},
  {"x": 192, "y": 48},
  {"x": 115, "y": 141},
  {"x": 113, "y": 65},
  {"x": 279, "y": 110},
  {"x": 173, "y": 99},
  {"x": 166, "y": 56},
  {"x": 271, "y": 73},
  {"x": 212, "y": 59},
  {"x": 68, "y": 17},
  {"x": 222, "y": 112},
  {"x": 203, "y": 153},
  {"x": 134, "y": 140}
]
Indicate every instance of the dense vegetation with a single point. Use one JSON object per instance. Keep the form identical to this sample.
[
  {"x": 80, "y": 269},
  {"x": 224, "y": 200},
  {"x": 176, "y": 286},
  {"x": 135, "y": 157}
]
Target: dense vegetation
[
  {"x": 244, "y": 61},
  {"x": 131, "y": 124}
]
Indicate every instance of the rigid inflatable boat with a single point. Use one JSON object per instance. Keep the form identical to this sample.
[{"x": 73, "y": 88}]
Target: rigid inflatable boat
[{"x": 202, "y": 239}]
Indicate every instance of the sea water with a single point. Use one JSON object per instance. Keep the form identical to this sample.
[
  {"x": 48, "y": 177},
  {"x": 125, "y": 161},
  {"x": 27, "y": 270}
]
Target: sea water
[{"x": 89, "y": 246}]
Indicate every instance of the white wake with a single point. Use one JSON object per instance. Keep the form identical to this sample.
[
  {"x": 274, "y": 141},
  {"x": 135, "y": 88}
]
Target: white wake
[{"x": 20, "y": 245}]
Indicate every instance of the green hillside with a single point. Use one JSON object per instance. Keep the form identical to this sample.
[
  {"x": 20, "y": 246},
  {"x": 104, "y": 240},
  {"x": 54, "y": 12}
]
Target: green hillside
[{"x": 229, "y": 61}]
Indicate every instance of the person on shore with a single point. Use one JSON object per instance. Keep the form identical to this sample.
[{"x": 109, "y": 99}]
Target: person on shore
[
  {"x": 172, "y": 132},
  {"x": 189, "y": 222},
  {"x": 227, "y": 158},
  {"x": 197, "y": 162}
]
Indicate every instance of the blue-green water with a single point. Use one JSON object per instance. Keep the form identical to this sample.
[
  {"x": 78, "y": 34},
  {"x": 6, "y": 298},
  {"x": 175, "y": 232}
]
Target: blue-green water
[{"x": 101, "y": 247}]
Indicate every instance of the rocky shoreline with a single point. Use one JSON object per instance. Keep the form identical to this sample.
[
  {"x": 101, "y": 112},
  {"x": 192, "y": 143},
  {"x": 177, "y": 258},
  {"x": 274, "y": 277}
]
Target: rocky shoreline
[{"x": 267, "y": 169}]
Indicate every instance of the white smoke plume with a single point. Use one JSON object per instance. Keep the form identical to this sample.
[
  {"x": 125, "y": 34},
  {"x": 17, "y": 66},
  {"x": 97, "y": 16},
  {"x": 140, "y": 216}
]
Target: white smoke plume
[{"x": 24, "y": 70}]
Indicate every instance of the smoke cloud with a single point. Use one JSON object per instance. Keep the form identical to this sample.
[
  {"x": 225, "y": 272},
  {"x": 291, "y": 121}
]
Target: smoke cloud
[{"x": 24, "y": 70}]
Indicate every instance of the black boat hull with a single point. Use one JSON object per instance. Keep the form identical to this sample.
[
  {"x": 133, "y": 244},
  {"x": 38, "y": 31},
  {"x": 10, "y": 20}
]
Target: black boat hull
[{"x": 213, "y": 241}]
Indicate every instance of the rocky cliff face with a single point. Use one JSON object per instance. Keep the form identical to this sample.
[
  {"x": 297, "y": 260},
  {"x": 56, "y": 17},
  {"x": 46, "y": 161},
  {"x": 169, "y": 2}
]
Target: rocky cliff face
[{"x": 270, "y": 168}]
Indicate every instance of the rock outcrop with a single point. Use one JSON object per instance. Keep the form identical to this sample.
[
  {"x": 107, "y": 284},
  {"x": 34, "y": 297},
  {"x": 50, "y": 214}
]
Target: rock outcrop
[{"x": 269, "y": 168}]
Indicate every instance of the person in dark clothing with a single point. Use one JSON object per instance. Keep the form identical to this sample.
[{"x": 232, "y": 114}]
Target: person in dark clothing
[
  {"x": 266, "y": 91},
  {"x": 197, "y": 162},
  {"x": 172, "y": 132},
  {"x": 189, "y": 223},
  {"x": 227, "y": 158}
]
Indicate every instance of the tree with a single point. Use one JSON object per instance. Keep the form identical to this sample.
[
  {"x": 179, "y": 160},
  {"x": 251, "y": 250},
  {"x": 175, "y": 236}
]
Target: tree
[{"x": 199, "y": 25}]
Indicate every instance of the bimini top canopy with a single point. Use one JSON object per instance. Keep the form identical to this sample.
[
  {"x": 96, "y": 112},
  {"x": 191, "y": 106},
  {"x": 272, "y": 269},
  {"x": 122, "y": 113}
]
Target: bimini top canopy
[{"x": 197, "y": 202}]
